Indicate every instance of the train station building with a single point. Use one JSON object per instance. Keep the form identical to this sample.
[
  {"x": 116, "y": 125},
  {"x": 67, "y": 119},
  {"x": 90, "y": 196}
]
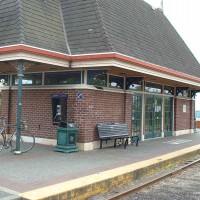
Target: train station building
[{"x": 96, "y": 61}]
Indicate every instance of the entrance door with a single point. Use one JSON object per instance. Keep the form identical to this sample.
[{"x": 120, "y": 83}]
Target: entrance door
[
  {"x": 136, "y": 114},
  {"x": 168, "y": 124},
  {"x": 153, "y": 117}
]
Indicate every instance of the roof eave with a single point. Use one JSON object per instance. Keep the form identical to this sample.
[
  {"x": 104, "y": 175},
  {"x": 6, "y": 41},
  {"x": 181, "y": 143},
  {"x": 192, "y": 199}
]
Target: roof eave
[{"x": 84, "y": 57}]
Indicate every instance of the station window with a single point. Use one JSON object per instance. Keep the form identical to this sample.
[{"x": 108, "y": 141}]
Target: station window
[
  {"x": 28, "y": 79},
  {"x": 184, "y": 93},
  {"x": 97, "y": 77},
  {"x": 133, "y": 83},
  {"x": 168, "y": 90},
  {"x": 153, "y": 87},
  {"x": 116, "y": 82},
  {"x": 5, "y": 79},
  {"x": 62, "y": 78}
]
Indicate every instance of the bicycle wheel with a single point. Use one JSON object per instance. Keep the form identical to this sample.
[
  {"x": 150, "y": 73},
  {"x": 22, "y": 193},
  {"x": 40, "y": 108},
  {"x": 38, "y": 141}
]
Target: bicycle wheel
[
  {"x": 2, "y": 141},
  {"x": 27, "y": 141}
]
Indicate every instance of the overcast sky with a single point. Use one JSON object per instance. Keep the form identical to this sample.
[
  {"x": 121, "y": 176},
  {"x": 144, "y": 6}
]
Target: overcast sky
[{"x": 184, "y": 15}]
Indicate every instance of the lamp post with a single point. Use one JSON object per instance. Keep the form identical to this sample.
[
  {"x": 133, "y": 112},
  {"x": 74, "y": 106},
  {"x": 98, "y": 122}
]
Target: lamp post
[{"x": 20, "y": 70}]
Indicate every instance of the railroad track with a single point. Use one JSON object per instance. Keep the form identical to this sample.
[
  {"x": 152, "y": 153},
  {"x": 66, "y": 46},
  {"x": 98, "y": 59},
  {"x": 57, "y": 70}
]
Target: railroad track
[{"x": 177, "y": 169}]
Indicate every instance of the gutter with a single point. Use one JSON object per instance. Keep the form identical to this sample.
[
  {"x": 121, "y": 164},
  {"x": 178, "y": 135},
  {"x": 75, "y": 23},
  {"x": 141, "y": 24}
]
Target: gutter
[{"x": 97, "y": 56}]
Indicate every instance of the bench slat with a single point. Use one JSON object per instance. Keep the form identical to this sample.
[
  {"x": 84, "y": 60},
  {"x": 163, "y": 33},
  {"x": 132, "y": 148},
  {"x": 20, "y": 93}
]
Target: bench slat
[{"x": 114, "y": 131}]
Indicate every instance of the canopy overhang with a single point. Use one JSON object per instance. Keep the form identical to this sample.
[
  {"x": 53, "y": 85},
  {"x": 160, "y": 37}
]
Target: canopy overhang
[{"x": 45, "y": 60}]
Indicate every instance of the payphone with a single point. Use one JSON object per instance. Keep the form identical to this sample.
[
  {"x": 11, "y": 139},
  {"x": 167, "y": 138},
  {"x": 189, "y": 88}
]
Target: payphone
[{"x": 59, "y": 108}]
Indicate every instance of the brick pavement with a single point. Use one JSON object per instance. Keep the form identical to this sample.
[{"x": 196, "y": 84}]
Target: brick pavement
[{"x": 43, "y": 167}]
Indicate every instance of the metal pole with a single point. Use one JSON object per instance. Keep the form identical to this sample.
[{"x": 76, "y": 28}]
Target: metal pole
[
  {"x": 19, "y": 105},
  {"x": 162, "y": 5}
]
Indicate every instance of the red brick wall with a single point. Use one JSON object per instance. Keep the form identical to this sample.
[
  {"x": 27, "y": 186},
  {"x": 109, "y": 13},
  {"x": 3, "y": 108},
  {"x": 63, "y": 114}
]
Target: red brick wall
[
  {"x": 96, "y": 107},
  {"x": 183, "y": 120},
  {"x": 5, "y": 104},
  {"x": 192, "y": 104}
]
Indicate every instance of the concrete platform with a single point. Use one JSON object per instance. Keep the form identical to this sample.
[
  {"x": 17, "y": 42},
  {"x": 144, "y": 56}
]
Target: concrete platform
[{"x": 45, "y": 174}]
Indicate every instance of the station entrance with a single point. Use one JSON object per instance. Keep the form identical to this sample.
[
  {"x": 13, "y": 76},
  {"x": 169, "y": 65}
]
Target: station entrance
[
  {"x": 153, "y": 116},
  {"x": 152, "y": 124},
  {"x": 137, "y": 114}
]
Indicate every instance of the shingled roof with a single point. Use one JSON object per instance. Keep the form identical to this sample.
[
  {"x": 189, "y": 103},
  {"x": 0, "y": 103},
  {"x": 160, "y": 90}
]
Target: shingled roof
[
  {"x": 74, "y": 27},
  {"x": 36, "y": 23}
]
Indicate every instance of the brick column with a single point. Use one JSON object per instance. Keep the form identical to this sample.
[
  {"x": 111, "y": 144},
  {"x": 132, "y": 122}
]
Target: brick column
[
  {"x": 192, "y": 103},
  {"x": 183, "y": 120},
  {"x": 5, "y": 106},
  {"x": 5, "y": 103},
  {"x": 128, "y": 110}
]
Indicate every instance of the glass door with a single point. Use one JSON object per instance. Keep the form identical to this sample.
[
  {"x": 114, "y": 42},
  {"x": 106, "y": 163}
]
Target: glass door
[
  {"x": 136, "y": 114},
  {"x": 153, "y": 116},
  {"x": 168, "y": 122}
]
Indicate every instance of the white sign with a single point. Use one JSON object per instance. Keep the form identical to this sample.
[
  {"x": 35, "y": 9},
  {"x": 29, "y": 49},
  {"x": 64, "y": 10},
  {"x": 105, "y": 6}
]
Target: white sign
[
  {"x": 184, "y": 108},
  {"x": 2, "y": 82}
]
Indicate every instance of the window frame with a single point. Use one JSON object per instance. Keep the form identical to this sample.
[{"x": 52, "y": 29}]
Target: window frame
[
  {"x": 153, "y": 92},
  {"x": 14, "y": 78},
  {"x": 81, "y": 78}
]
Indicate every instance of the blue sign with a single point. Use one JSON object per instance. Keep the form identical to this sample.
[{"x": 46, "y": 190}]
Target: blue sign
[{"x": 79, "y": 96}]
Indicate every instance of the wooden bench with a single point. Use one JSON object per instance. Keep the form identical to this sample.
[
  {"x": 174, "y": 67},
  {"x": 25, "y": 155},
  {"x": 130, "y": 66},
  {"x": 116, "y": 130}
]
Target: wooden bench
[{"x": 110, "y": 131}]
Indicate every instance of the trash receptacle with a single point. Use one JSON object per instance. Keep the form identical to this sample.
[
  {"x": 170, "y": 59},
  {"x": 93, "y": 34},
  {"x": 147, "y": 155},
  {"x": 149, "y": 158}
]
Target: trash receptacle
[{"x": 66, "y": 137}]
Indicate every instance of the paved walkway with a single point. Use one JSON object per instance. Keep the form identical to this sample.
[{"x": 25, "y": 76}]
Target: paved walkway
[{"x": 42, "y": 167}]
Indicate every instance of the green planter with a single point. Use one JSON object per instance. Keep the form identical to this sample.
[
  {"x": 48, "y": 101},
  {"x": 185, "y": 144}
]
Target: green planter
[{"x": 66, "y": 137}]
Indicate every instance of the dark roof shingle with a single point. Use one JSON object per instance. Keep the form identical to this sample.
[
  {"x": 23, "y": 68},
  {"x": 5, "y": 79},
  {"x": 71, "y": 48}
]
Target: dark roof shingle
[
  {"x": 9, "y": 23},
  {"x": 74, "y": 27},
  {"x": 85, "y": 32},
  {"x": 35, "y": 23},
  {"x": 137, "y": 30},
  {"x": 128, "y": 27}
]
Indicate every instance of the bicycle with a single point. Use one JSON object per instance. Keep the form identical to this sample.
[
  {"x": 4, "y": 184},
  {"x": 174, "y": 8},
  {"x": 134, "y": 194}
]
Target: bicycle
[{"x": 27, "y": 139}]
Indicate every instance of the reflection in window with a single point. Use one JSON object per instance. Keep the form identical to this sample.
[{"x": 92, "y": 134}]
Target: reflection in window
[
  {"x": 136, "y": 114},
  {"x": 5, "y": 79},
  {"x": 83, "y": 73},
  {"x": 97, "y": 77},
  {"x": 168, "y": 90},
  {"x": 67, "y": 77},
  {"x": 116, "y": 82},
  {"x": 184, "y": 93},
  {"x": 28, "y": 79},
  {"x": 133, "y": 83},
  {"x": 153, "y": 87}
]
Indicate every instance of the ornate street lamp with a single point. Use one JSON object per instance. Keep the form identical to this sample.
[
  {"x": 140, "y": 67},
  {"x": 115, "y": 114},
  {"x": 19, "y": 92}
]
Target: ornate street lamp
[{"x": 20, "y": 66}]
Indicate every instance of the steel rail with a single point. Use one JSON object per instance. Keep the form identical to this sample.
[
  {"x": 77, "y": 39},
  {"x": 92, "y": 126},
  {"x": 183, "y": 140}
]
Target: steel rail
[{"x": 132, "y": 190}]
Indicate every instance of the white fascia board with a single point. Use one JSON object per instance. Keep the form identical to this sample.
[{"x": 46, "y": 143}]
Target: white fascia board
[
  {"x": 131, "y": 67},
  {"x": 34, "y": 58}
]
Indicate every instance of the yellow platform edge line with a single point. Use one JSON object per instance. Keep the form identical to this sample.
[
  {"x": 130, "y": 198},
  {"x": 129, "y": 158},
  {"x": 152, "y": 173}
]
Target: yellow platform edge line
[{"x": 64, "y": 187}]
